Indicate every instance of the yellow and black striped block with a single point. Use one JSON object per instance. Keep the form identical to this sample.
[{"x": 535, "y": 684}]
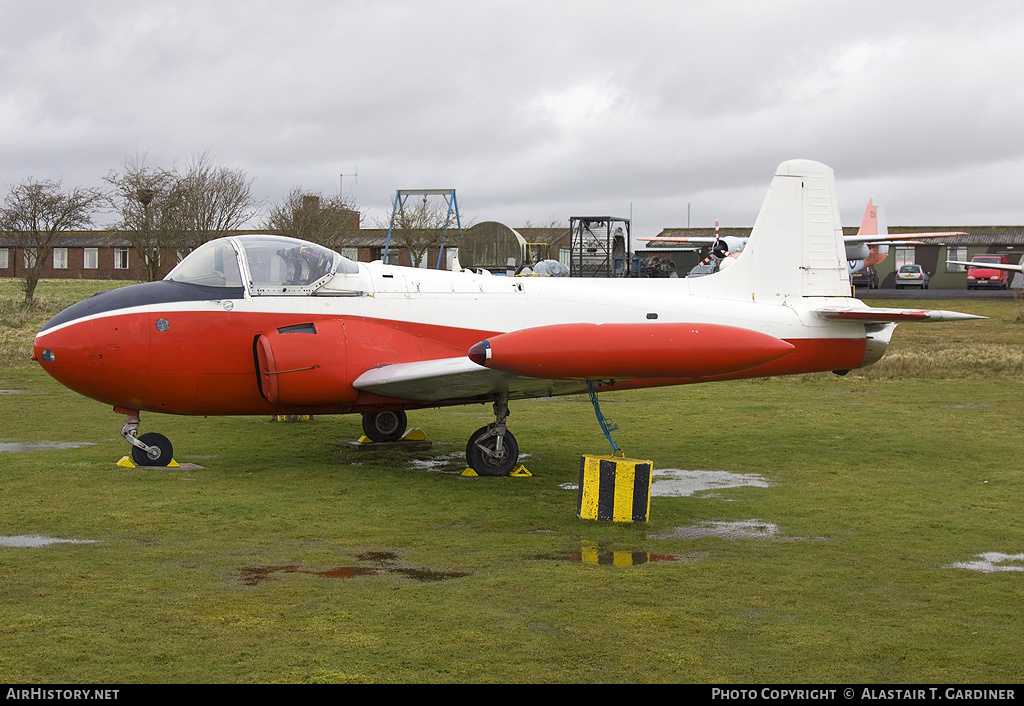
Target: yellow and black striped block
[{"x": 614, "y": 488}]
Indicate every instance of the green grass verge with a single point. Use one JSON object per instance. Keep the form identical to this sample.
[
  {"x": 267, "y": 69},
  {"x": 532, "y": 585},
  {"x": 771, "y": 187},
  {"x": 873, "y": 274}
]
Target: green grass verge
[{"x": 373, "y": 567}]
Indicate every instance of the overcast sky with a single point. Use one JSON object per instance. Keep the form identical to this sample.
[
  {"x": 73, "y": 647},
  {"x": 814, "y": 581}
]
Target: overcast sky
[{"x": 533, "y": 111}]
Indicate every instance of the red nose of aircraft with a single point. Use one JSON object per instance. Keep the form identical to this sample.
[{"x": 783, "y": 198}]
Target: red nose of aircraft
[
  {"x": 100, "y": 347},
  {"x": 624, "y": 351}
]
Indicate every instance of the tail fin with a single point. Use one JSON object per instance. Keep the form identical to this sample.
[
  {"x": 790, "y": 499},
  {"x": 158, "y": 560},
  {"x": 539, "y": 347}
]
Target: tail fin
[{"x": 796, "y": 248}]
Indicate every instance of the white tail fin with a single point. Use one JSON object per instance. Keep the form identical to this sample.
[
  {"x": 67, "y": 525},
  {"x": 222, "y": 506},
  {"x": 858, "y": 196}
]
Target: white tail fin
[{"x": 796, "y": 248}]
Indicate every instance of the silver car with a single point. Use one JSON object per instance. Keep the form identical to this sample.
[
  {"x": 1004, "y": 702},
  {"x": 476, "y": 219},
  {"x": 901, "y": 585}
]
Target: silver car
[{"x": 911, "y": 276}]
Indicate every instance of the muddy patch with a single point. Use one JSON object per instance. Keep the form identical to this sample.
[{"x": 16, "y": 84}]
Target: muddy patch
[
  {"x": 376, "y": 564},
  {"x": 39, "y": 541},
  {"x": 20, "y": 446},
  {"x": 991, "y": 562}
]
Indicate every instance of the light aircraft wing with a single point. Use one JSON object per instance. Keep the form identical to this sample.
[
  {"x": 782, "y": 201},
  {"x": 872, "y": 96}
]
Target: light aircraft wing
[
  {"x": 895, "y": 238},
  {"x": 987, "y": 265},
  {"x": 881, "y": 315},
  {"x": 696, "y": 240}
]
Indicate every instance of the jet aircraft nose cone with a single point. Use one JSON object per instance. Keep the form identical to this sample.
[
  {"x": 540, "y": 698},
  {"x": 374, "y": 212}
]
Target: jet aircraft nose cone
[{"x": 480, "y": 352}]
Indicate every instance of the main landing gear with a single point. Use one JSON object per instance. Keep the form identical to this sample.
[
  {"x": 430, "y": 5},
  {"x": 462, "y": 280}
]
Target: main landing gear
[
  {"x": 492, "y": 450},
  {"x": 150, "y": 449},
  {"x": 384, "y": 426}
]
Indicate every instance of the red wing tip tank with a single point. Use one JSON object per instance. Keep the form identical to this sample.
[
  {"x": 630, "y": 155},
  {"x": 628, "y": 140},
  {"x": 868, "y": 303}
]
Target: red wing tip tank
[{"x": 624, "y": 351}]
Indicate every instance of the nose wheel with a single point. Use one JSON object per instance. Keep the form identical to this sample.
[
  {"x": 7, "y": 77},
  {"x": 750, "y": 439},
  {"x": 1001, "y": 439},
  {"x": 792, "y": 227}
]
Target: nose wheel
[
  {"x": 158, "y": 451},
  {"x": 150, "y": 449}
]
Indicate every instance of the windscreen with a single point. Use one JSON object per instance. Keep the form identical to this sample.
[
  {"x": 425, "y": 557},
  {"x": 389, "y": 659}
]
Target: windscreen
[{"x": 213, "y": 264}]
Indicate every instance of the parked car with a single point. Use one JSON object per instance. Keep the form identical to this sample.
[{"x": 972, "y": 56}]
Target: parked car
[
  {"x": 865, "y": 277},
  {"x": 911, "y": 276},
  {"x": 979, "y": 276},
  {"x": 703, "y": 269}
]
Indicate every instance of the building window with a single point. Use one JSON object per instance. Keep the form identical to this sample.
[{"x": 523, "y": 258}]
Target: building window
[
  {"x": 120, "y": 258},
  {"x": 30, "y": 257},
  {"x": 60, "y": 258},
  {"x": 904, "y": 255},
  {"x": 5, "y": 261},
  {"x": 91, "y": 258},
  {"x": 956, "y": 252}
]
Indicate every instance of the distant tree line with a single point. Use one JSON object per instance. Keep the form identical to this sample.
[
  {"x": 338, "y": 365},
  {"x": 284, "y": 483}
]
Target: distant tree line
[{"x": 160, "y": 211}]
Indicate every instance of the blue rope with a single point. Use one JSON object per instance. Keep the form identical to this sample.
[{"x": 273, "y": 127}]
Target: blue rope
[{"x": 607, "y": 425}]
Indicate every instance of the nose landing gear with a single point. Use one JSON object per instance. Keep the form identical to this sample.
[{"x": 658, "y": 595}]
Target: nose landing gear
[{"x": 150, "y": 449}]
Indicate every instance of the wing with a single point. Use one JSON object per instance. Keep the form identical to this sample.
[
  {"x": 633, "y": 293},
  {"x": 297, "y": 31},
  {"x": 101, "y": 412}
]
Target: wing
[
  {"x": 895, "y": 238},
  {"x": 881, "y": 315},
  {"x": 672, "y": 239},
  {"x": 987, "y": 265},
  {"x": 560, "y": 358},
  {"x": 456, "y": 379}
]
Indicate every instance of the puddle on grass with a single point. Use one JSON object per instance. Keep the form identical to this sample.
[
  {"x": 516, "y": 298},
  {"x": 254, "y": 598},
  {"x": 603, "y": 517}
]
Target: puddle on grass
[
  {"x": 255, "y": 575},
  {"x": 676, "y": 482},
  {"x": 438, "y": 464},
  {"x": 453, "y": 463},
  {"x": 990, "y": 562},
  {"x": 745, "y": 529},
  {"x": 39, "y": 541},
  {"x": 600, "y": 556},
  {"x": 18, "y": 446}
]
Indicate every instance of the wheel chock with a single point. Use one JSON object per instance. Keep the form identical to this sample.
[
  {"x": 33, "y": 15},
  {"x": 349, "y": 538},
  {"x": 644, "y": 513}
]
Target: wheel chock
[
  {"x": 517, "y": 472},
  {"x": 127, "y": 462},
  {"x": 413, "y": 440}
]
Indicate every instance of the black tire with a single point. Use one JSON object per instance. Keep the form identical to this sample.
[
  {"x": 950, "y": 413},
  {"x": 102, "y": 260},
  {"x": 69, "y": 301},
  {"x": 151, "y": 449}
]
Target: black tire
[
  {"x": 158, "y": 441},
  {"x": 486, "y": 462},
  {"x": 385, "y": 426}
]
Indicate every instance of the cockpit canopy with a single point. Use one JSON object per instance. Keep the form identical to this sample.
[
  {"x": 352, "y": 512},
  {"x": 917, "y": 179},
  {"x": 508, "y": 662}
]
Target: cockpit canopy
[{"x": 263, "y": 264}]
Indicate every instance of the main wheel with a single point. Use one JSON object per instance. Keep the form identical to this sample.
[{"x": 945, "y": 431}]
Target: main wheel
[
  {"x": 482, "y": 456},
  {"x": 161, "y": 447},
  {"x": 384, "y": 426}
]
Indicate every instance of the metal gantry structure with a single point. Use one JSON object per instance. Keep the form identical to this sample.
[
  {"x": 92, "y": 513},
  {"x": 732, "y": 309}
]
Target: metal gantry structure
[
  {"x": 599, "y": 246},
  {"x": 398, "y": 206}
]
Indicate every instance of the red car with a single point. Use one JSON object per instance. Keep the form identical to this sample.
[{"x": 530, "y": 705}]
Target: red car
[{"x": 979, "y": 276}]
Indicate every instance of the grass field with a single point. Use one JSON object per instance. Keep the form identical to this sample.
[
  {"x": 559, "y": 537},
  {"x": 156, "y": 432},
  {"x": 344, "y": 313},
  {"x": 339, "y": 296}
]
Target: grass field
[{"x": 287, "y": 558}]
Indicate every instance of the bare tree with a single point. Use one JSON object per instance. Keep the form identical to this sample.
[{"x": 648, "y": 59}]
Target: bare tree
[
  {"x": 328, "y": 220},
  {"x": 162, "y": 211},
  {"x": 35, "y": 214},
  {"x": 215, "y": 201},
  {"x": 421, "y": 228},
  {"x": 148, "y": 202}
]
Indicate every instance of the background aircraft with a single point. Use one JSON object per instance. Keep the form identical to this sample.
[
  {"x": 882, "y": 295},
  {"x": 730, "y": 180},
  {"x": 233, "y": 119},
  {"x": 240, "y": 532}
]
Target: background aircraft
[
  {"x": 868, "y": 247},
  {"x": 263, "y": 324}
]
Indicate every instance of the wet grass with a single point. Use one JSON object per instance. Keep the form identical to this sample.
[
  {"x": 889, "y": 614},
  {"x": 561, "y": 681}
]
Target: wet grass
[
  {"x": 374, "y": 568},
  {"x": 18, "y": 323}
]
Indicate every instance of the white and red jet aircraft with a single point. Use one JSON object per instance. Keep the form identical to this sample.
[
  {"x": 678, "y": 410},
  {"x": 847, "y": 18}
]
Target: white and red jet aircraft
[{"x": 263, "y": 324}]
